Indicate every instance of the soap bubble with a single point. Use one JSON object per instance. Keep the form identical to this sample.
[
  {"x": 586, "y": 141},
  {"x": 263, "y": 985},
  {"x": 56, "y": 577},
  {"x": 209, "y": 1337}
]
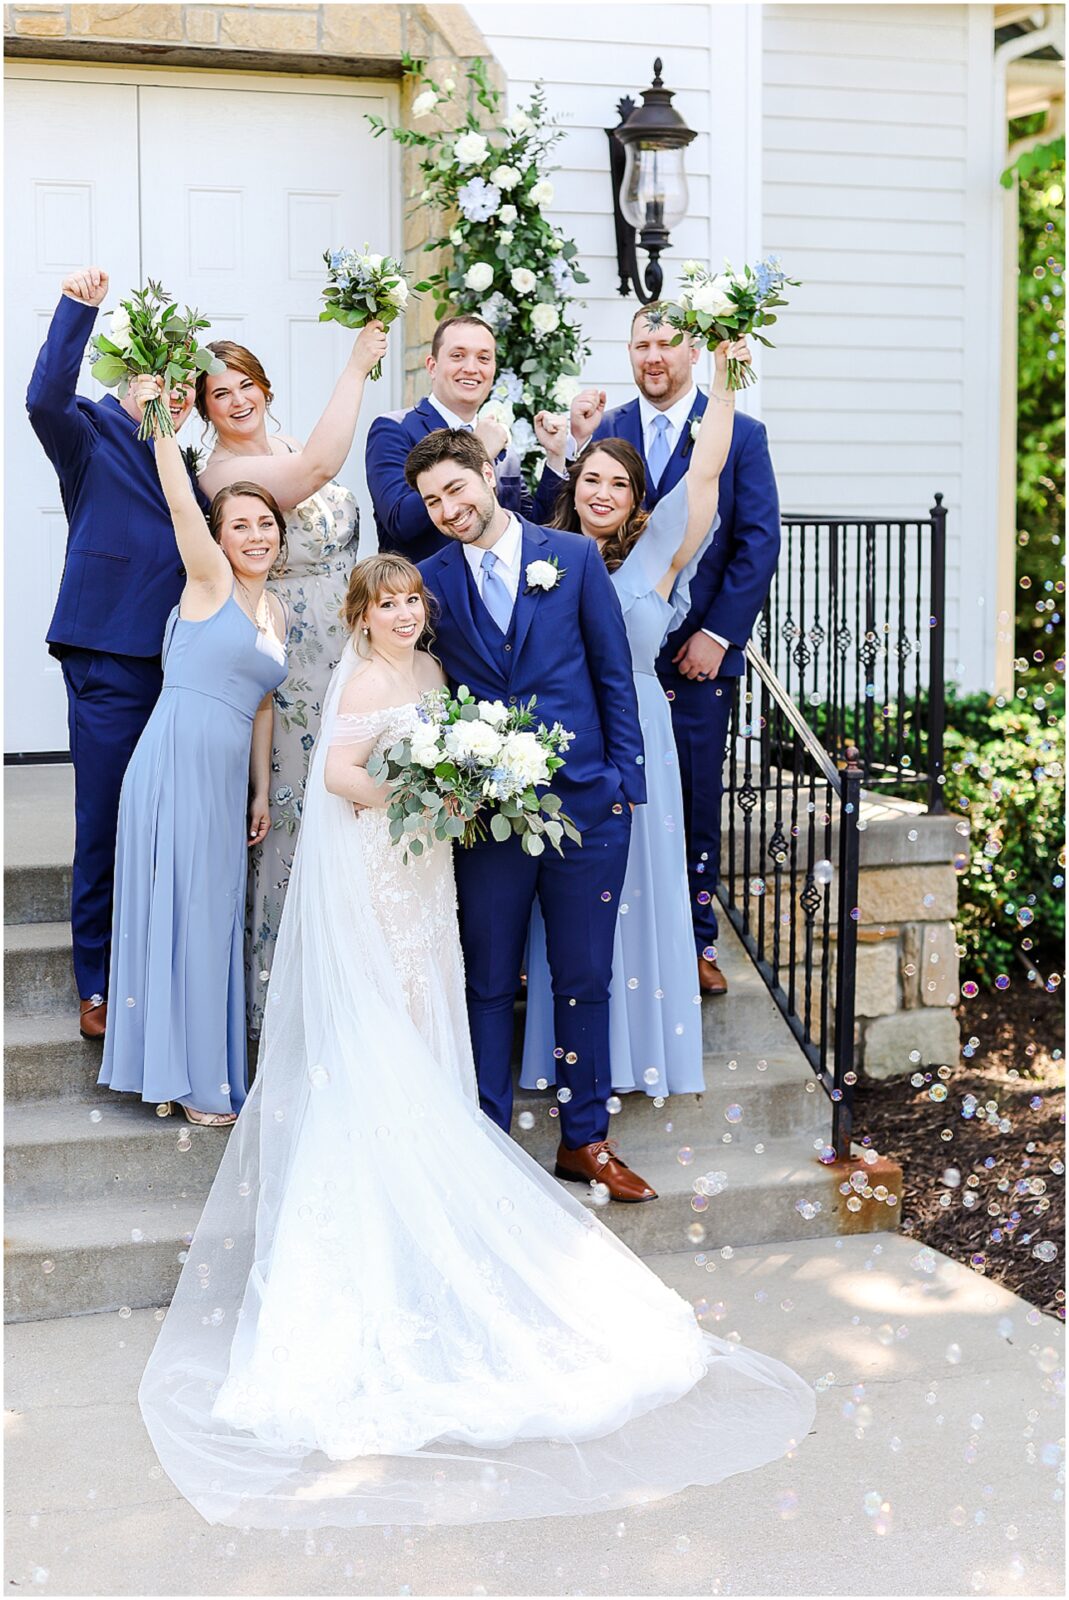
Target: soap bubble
[{"x": 823, "y": 871}]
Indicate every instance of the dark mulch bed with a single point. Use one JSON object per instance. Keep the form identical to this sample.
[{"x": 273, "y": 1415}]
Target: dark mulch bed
[{"x": 1010, "y": 1154}]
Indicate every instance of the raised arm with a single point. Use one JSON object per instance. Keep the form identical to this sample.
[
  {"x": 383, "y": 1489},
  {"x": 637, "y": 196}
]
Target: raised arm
[
  {"x": 62, "y": 426},
  {"x": 202, "y": 558},
  {"x": 292, "y": 478},
  {"x": 605, "y": 637},
  {"x": 710, "y": 453}
]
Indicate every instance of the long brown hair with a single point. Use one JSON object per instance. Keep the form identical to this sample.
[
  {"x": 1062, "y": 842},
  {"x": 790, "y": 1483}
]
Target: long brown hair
[
  {"x": 386, "y": 573},
  {"x": 619, "y": 545}
]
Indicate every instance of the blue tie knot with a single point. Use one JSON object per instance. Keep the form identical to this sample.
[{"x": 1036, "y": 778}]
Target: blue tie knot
[
  {"x": 489, "y": 562},
  {"x": 660, "y": 422}
]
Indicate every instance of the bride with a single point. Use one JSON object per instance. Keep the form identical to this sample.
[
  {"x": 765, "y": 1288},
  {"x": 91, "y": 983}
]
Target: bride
[{"x": 389, "y": 1312}]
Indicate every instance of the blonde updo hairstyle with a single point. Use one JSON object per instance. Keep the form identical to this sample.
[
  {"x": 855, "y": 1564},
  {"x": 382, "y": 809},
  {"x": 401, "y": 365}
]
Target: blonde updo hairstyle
[{"x": 375, "y": 576}]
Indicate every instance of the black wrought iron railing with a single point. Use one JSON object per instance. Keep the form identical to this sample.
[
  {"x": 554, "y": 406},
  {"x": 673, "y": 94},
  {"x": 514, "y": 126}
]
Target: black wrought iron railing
[
  {"x": 855, "y": 630},
  {"x": 789, "y": 874}
]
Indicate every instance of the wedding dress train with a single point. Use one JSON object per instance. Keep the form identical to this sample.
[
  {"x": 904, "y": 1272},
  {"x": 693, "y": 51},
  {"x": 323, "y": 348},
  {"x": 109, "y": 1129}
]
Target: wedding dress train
[{"x": 389, "y": 1312}]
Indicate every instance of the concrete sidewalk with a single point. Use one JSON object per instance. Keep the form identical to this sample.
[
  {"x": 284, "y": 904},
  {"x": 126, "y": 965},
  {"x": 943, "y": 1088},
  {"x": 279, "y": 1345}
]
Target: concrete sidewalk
[{"x": 933, "y": 1468}]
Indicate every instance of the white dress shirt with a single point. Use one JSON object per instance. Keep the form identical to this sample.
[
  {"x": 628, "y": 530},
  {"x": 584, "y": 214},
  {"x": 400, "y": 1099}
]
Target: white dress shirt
[
  {"x": 509, "y": 553},
  {"x": 677, "y": 415},
  {"x": 450, "y": 418}
]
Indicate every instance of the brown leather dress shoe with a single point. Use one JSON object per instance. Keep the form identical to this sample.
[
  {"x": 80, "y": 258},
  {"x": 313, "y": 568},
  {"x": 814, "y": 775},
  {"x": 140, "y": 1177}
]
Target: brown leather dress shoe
[
  {"x": 93, "y": 1017},
  {"x": 583, "y": 1166},
  {"x": 710, "y": 978}
]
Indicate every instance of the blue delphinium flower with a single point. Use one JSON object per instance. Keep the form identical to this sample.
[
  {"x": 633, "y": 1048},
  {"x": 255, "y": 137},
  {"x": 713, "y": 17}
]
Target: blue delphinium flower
[
  {"x": 497, "y": 311},
  {"x": 508, "y": 388},
  {"x": 478, "y": 200},
  {"x": 561, "y": 273}
]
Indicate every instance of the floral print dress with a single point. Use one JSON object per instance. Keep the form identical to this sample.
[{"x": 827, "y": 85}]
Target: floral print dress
[{"x": 322, "y": 535}]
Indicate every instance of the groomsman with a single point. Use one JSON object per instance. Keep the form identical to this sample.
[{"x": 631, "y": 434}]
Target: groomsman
[
  {"x": 704, "y": 657},
  {"x": 462, "y": 366},
  {"x": 121, "y": 578}
]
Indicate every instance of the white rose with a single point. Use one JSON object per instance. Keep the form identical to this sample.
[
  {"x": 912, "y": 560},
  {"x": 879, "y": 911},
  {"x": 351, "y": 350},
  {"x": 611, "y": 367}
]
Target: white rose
[
  {"x": 119, "y": 328},
  {"x": 506, "y": 236},
  {"x": 523, "y": 280},
  {"x": 473, "y": 741},
  {"x": 542, "y": 193},
  {"x": 425, "y": 749},
  {"x": 449, "y": 84},
  {"x": 507, "y": 213},
  {"x": 564, "y": 391},
  {"x": 495, "y": 712},
  {"x": 542, "y": 575},
  {"x": 424, "y": 103},
  {"x": 690, "y": 268},
  {"x": 522, "y": 754},
  {"x": 471, "y": 149},
  {"x": 456, "y": 237},
  {"x": 479, "y": 277},
  {"x": 498, "y": 411},
  {"x": 397, "y": 294},
  {"x": 505, "y": 177},
  {"x": 545, "y": 318},
  {"x": 518, "y": 124},
  {"x": 711, "y": 298}
]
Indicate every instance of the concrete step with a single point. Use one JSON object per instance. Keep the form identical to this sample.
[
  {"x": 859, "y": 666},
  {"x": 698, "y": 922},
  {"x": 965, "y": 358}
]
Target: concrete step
[
  {"x": 66, "y": 1152},
  {"x": 46, "y": 1058},
  {"x": 38, "y": 842},
  {"x": 38, "y": 977},
  {"x": 61, "y": 1261},
  {"x": 40, "y": 893}
]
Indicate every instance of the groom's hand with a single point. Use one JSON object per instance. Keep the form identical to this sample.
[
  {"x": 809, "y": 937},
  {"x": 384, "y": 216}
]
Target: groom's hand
[
  {"x": 587, "y": 410},
  {"x": 700, "y": 658}
]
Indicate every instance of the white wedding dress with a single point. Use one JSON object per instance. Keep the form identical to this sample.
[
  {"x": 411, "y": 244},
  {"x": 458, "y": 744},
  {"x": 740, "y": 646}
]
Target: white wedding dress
[{"x": 390, "y": 1313}]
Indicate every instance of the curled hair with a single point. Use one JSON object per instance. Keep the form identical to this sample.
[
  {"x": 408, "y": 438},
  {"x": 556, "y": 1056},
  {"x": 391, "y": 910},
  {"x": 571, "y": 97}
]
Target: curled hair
[
  {"x": 375, "y": 576},
  {"x": 445, "y": 444},
  {"x": 238, "y": 359},
  {"x": 464, "y": 319},
  {"x": 619, "y": 545},
  {"x": 217, "y": 511}
]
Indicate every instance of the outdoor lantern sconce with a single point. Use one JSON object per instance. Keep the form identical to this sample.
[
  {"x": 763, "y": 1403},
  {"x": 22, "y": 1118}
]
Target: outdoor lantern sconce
[{"x": 649, "y": 183}]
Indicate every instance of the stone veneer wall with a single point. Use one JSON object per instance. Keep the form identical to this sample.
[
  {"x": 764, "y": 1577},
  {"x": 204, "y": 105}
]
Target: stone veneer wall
[{"x": 365, "y": 41}]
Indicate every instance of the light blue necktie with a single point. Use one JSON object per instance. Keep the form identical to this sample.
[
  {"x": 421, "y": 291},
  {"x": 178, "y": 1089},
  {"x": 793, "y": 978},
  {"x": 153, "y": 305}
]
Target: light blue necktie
[
  {"x": 657, "y": 459},
  {"x": 495, "y": 592}
]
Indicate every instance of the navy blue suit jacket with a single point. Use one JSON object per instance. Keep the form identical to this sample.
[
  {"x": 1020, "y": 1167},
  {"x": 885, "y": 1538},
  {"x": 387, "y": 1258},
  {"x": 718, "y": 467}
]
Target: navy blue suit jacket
[
  {"x": 735, "y": 574},
  {"x": 569, "y": 648},
  {"x": 401, "y": 519},
  {"x": 122, "y": 575}
]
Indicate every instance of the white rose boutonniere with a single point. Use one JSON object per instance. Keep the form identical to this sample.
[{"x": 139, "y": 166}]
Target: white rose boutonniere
[{"x": 543, "y": 575}]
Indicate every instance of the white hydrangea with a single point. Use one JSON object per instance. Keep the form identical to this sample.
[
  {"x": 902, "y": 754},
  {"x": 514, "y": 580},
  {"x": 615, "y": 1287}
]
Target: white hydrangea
[
  {"x": 473, "y": 741},
  {"x": 505, "y": 177},
  {"x": 119, "y": 328},
  {"x": 479, "y": 277},
  {"x": 424, "y": 103},
  {"x": 523, "y": 280},
  {"x": 564, "y": 391},
  {"x": 495, "y": 712},
  {"x": 507, "y": 214},
  {"x": 471, "y": 149},
  {"x": 541, "y": 194},
  {"x": 545, "y": 318},
  {"x": 522, "y": 755}
]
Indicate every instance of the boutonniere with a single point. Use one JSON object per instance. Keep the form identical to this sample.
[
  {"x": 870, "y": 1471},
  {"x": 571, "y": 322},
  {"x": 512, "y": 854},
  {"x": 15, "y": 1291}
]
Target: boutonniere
[
  {"x": 692, "y": 434},
  {"x": 191, "y": 457},
  {"x": 543, "y": 575}
]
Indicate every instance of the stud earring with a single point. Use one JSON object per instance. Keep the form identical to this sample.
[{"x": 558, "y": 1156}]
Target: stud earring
[{"x": 367, "y": 632}]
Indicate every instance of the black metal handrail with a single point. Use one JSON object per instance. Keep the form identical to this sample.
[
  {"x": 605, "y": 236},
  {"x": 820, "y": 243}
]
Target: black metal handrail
[
  {"x": 791, "y": 875},
  {"x": 855, "y": 629}
]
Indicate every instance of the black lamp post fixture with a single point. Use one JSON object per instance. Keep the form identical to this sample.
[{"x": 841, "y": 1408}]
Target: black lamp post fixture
[{"x": 649, "y": 183}]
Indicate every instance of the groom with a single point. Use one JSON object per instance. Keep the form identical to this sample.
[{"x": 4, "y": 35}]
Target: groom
[{"x": 509, "y": 638}]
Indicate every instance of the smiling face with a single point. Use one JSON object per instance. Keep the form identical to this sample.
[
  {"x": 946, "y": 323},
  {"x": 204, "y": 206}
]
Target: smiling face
[
  {"x": 180, "y": 404},
  {"x": 460, "y": 501},
  {"x": 663, "y": 371},
  {"x": 248, "y": 535},
  {"x": 462, "y": 373},
  {"x": 235, "y": 405},
  {"x": 396, "y": 619},
  {"x": 604, "y": 497}
]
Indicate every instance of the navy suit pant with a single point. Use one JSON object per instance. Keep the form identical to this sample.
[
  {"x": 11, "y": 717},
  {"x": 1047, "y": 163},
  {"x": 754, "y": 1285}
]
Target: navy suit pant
[
  {"x": 701, "y": 715},
  {"x": 579, "y": 894},
  {"x": 109, "y": 700}
]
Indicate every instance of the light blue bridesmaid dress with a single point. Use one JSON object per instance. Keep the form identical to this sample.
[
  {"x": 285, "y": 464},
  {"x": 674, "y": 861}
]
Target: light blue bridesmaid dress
[
  {"x": 176, "y": 1011},
  {"x": 655, "y": 1027}
]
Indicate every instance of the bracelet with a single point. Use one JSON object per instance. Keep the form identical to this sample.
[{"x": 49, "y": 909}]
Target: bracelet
[{"x": 721, "y": 399}]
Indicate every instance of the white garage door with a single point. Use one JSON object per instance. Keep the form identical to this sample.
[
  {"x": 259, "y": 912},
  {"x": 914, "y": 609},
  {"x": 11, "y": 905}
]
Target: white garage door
[{"x": 228, "y": 188}]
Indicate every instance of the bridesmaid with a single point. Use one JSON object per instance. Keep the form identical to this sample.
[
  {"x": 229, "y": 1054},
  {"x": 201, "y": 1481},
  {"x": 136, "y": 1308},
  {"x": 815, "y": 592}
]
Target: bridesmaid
[
  {"x": 319, "y": 549},
  {"x": 655, "y": 1024},
  {"x": 177, "y": 1028}
]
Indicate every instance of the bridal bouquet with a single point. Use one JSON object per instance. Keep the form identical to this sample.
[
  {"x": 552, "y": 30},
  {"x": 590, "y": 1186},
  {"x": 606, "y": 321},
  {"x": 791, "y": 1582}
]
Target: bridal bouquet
[
  {"x": 147, "y": 335},
  {"x": 468, "y": 759},
  {"x": 727, "y": 305},
  {"x": 363, "y": 287}
]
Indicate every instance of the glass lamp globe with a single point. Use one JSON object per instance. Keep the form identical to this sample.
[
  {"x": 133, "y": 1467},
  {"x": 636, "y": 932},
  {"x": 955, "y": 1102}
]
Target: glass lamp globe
[{"x": 653, "y": 191}]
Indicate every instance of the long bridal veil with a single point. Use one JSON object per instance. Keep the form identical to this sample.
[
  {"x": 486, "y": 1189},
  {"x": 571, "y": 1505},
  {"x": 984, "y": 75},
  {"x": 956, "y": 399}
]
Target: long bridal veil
[{"x": 389, "y": 1313}]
